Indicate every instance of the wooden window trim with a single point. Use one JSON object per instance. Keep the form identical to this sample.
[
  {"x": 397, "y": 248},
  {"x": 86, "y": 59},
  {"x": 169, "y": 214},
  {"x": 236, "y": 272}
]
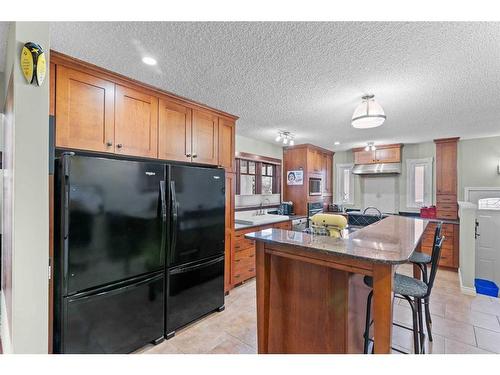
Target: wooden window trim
[{"x": 259, "y": 162}]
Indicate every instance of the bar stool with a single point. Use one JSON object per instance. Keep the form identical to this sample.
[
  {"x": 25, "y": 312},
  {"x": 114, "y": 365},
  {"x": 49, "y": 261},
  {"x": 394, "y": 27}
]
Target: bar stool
[
  {"x": 422, "y": 260},
  {"x": 414, "y": 291}
]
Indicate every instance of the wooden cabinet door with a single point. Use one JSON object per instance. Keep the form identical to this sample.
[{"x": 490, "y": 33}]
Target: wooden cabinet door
[
  {"x": 364, "y": 157},
  {"x": 313, "y": 161},
  {"x": 174, "y": 133},
  {"x": 388, "y": 155},
  {"x": 226, "y": 144},
  {"x": 84, "y": 111},
  {"x": 205, "y": 137},
  {"x": 229, "y": 230},
  {"x": 328, "y": 175},
  {"x": 446, "y": 168},
  {"x": 136, "y": 123}
]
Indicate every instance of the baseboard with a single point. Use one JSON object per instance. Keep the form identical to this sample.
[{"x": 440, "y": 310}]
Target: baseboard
[
  {"x": 4, "y": 332},
  {"x": 466, "y": 289}
]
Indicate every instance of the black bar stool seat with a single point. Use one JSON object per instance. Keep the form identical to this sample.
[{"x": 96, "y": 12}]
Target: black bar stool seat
[
  {"x": 404, "y": 285},
  {"x": 421, "y": 258}
]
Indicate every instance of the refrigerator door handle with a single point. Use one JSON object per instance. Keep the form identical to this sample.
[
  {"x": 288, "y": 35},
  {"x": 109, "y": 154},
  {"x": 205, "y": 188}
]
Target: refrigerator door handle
[
  {"x": 164, "y": 221},
  {"x": 163, "y": 202},
  {"x": 175, "y": 209},
  {"x": 66, "y": 165},
  {"x": 197, "y": 266}
]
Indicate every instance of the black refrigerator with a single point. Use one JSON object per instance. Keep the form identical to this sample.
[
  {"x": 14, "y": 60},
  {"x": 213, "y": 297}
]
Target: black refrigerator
[{"x": 121, "y": 227}]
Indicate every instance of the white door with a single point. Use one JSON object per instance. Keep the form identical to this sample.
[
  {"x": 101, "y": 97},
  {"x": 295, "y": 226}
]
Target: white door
[{"x": 488, "y": 229}]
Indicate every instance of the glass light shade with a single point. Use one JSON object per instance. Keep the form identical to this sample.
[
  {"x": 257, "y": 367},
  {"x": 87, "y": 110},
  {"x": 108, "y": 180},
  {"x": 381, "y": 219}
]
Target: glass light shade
[
  {"x": 278, "y": 138},
  {"x": 292, "y": 142},
  {"x": 285, "y": 141},
  {"x": 369, "y": 114}
]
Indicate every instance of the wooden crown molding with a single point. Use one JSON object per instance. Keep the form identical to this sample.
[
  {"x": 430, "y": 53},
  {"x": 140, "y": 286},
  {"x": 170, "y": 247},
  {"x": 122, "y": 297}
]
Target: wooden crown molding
[
  {"x": 265, "y": 159},
  {"x": 446, "y": 140},
  {"x": 59, "y": 58},
  {"x": 380, "y": 147},
  {"x": 308, "y": 145}
]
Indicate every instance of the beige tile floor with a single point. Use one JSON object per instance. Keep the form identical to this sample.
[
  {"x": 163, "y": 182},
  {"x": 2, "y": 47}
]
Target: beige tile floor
[{"x": 461, "y": 324}]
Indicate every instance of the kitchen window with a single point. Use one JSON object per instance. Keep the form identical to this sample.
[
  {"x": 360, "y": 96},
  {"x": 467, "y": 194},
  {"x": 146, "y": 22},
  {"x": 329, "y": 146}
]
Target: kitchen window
[
  {"x": 418, "y": 182},
  {"x": 257, "y": 177},
  {"x": 344, "y": 186}
]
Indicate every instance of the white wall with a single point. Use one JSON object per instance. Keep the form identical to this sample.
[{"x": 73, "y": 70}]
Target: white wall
[
  {"x": 409, "y": 151},
  {"x": 477, "y": 163},
  {"x": 28, "y": 222},
  {"x": 253, "y": 146}
]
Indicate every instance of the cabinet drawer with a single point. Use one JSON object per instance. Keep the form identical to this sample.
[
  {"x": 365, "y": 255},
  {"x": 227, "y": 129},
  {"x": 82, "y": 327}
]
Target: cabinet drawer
[
  {"x": 283, "y": 225},
  {"x": 452, "y": 215},
  {"x": 446, "y": 198},
  {"x": 240, "y": 242},
  {"x": 446, "y": 257},
  {"x": 447, "y": 206},
  {"x": 248, "y": 253}
]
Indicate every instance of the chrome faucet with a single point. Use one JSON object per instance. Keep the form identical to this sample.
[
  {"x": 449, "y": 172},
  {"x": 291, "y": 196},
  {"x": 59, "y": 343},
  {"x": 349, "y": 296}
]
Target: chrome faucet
[
  {"x": 373, "y": 208},
  {"x": 261, "y": 210}
]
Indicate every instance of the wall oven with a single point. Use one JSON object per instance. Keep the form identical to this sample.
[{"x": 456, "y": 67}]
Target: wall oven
[{"x": 314, "y": 186}]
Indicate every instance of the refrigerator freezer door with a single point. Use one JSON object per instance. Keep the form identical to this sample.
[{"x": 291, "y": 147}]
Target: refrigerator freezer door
[
  {"x": 197, "y": 207},
  {"x": 117, "y": 319},
  {"x": 193, "y": 291},
  {"x": 114, "y": 221}
]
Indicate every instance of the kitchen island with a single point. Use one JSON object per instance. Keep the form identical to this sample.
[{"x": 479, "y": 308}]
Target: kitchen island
[{"x": 309, "y": 295}]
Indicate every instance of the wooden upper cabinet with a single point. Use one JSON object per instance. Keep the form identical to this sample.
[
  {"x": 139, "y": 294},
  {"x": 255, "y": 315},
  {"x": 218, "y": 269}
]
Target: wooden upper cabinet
[
  {"x": 328, "y": 175},
  {"x": 226, "y": 144},
  {"x": 136, "y": 123},
  {"x": 84, "y": 111},
  {"x": 446, "y": 166},
  {"x": 388, "y": 155},
  {"x": 383, "y": 154},
  {"x": 314, "y": 161},
  {"x": 205, "y": 138},
  {"x": 174, "y": 136},
  {"x": 364, "y": 157}
]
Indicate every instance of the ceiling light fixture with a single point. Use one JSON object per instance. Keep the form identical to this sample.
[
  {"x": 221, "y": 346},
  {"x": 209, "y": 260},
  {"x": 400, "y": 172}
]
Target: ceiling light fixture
[
  {"x": 370, "y": 147},
  {"x": 336, "y": 143},
  {"x": 149, "y": 60},
  {"x": 369, "y": 114},
  {"x": 286, "y": 137}
]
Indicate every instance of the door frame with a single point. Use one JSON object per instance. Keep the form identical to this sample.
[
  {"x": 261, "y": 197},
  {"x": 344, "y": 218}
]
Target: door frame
[{"x": 468, "y": 190}]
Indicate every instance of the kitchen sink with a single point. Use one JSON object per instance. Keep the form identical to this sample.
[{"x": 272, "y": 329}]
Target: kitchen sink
[{"x": 261, "y": 219}]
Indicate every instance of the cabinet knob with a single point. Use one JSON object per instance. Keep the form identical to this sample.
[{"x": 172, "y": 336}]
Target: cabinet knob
[
  {"x": 188, "y": 155},
  {"x": 119, "y": 145},
  {"x": 109, "y": 143},
  {"x": 195, "y": 155}
]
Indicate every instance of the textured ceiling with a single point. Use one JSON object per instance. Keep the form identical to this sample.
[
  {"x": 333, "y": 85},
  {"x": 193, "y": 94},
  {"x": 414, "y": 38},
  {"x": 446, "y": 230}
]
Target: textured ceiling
[{"x": 433, "y": 79}]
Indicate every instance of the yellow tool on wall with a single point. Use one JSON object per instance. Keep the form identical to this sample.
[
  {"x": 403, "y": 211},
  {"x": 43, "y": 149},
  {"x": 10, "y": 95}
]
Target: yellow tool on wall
[{"x": 33, "y": 63}]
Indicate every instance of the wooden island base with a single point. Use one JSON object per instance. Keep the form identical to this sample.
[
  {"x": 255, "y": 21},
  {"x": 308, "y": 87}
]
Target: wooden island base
[{"x": 305, "y": 307}]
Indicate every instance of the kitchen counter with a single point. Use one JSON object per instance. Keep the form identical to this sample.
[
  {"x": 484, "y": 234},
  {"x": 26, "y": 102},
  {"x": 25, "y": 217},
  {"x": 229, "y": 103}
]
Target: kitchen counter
[
  {"x": 299, "y": 275},
  {"x": 391, "y": 240},
  {"x": 285, "y": 218}
]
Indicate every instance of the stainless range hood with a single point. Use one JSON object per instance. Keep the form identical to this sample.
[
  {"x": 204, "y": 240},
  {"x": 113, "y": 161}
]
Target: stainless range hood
[{"x": 380, "y": 168}]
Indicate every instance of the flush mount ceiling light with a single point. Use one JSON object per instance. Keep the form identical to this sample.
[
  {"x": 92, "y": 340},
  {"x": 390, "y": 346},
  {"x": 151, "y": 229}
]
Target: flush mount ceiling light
[
  {"x": 370, "y": 147},
  {"x": 149, "y": 60},
  {"x": 369, "y": 114},
  {"x": 286, "y": 137},
  {"x": 336, "y": 143}
]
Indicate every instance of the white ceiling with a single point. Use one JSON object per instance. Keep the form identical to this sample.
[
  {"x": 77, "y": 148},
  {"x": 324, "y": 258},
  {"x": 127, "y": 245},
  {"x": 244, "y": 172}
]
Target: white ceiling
[{"x": 433, "y": 79}]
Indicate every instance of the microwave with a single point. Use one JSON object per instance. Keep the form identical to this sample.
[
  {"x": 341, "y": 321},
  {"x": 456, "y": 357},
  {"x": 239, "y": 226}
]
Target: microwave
[{"x": 315, "y": 186}]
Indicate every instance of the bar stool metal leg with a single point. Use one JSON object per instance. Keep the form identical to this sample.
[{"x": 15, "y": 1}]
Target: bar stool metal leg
[
  {"x": 418, "y": 302},
  {"x": 367, "y": 322},
  {"x": 428, "y": 320},
  {"x": 415, "y": 324}
]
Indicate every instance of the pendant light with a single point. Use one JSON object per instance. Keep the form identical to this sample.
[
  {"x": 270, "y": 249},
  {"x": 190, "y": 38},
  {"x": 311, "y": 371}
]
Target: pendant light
[{"x": 369, "y": 114}]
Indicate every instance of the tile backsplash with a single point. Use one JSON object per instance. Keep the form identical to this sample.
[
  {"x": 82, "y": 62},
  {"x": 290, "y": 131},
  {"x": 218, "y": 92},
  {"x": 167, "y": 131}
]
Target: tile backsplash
[{"x": 242, "y": 201}]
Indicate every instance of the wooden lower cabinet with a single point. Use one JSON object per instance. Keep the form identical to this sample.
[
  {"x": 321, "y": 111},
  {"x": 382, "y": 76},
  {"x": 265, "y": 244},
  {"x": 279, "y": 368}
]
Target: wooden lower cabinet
[
  {"x": 243, "y": 255},
  {"x": 450, "y": 249}
]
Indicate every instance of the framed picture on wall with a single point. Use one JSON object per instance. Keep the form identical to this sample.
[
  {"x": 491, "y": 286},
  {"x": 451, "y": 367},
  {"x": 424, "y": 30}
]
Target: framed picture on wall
[{"x": 295, "y": 177}]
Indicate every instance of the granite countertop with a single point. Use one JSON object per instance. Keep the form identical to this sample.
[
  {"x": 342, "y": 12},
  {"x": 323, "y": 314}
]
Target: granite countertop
[
  {"x": 285, "y": 218},
  {"x": 416, "y": 215},
  {"x": 391, "y": 240}
]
